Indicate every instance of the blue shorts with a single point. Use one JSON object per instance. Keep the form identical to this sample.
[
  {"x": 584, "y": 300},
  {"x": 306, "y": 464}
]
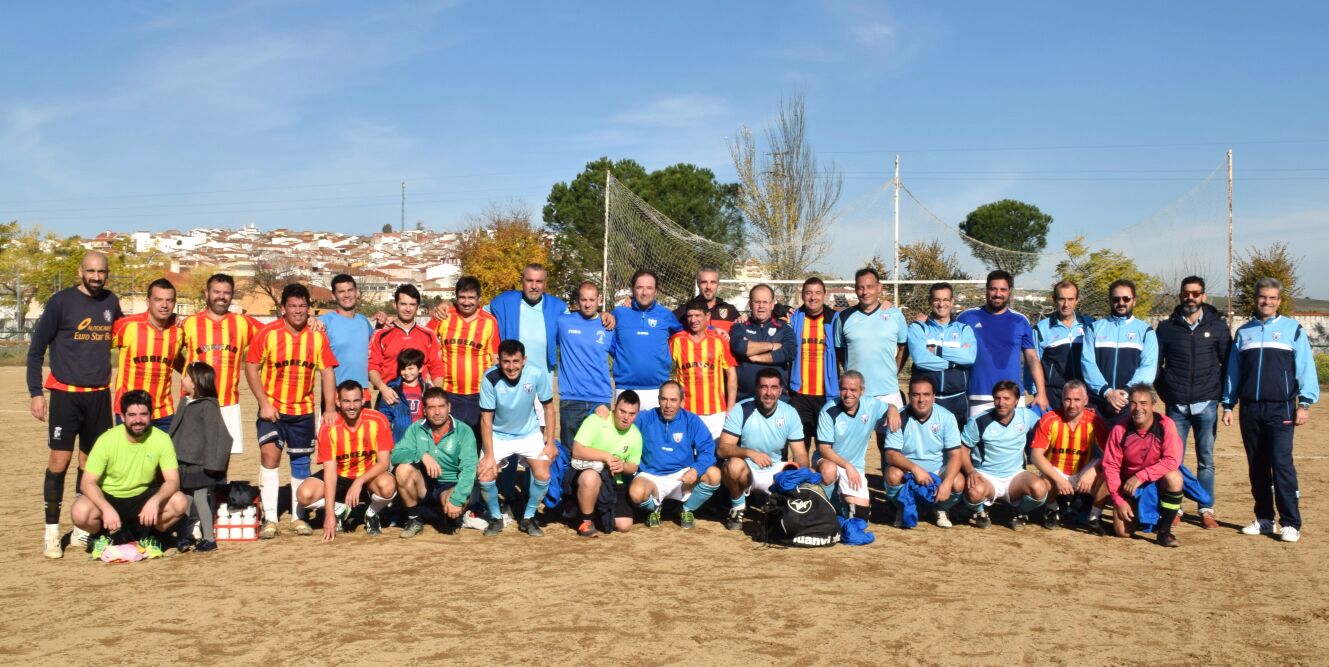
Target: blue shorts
[
  {"x": 294, "y": 433},
  {"x": 466, "y": 408}
]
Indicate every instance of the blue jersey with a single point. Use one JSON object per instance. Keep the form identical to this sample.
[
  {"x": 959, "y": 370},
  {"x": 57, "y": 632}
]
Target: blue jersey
[
  {"x": 670, "y": 446},
  {"x": 765, "y": 433},
  {"x": 1002, "y": 339},
  {"x": 926, "y": 442},
  {"x": 584, "y": 346},
  {"x": 998, "y": 449},
  {"x": 1270, "y": 360},
  {"x": 349, "y": 338},
  {"x": 534, "y": 335},
  {"x": 1118, "y": 352},
  {"x": 513, "y": 403},
  {"x": 848, "y": 434},
  {"x": 953, "y": 350},
  {"x": 1059, "y": 348},
  {"x": 868, "y": 343},
  {"x": 641, "y": 346}
]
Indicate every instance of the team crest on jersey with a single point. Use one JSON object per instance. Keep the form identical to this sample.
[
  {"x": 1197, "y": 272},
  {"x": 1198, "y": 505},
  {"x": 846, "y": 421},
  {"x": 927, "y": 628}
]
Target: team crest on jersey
[
  {"x": 779, "y": 422},
  {"x": 528, "y": 388},
  {"x": 724, "y": 312},
  {"x": 106, "y": 315},
  {"x": 1277, "y": 335},
  {"x": 863, "y": 418},
  {"x": 978, "y": 325},
  {"x": 599, "y": 338},
  {"x": 936, "y": 428},
  {"x": 770, "y": 331},
  {"x": 1130, "y": 335},
  {"x": 678, "y": 437},
  {"x": 651, "y": 321},
  {"x": 955, "y": 335}
]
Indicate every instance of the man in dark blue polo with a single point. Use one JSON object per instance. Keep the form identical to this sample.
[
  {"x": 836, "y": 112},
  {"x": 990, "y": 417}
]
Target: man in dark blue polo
[{"x": 760, "y": 342}]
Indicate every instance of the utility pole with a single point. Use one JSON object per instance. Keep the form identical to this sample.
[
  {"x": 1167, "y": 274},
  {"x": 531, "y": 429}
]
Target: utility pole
[
  {"x": 896, "y": 276},
  {"x": 402, "y": 227},
  {"x": 1230, "y": 295}
]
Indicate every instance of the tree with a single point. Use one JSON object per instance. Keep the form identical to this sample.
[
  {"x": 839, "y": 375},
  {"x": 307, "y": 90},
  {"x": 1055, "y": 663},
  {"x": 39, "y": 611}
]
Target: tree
[
  {"x": 928, "y": 260},
  {"x": 687, "y": 194},
  {"x": 1275, "y": 261},
  {"x": 34, "y": 265},
  {"x": 1093, "y": 271},
  {"x": 1007, "y": 234},
  {"x": 785, "y": 198},
  {"x": 500, "y": 242},
  {"x": 132, "y": 270},
  {"x": 387, "y": 228},
  {"x": 273, "y": 271}
]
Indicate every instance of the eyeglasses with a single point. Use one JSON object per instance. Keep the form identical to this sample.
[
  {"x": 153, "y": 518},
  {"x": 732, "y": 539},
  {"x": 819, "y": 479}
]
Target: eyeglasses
[
  {"x": 1122, "y": 299},
  {"x": 1192, "y": 294}
]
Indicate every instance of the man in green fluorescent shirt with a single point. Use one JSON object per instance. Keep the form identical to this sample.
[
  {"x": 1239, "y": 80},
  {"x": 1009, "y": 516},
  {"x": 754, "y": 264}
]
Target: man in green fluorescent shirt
[
  {"x": 435, "y": 461},
  {"x": 604, "y": 451}
]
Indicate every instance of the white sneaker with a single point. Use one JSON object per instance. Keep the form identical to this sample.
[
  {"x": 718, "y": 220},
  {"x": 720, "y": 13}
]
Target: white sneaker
[
  {"x": 472, "y": 520},
  {"x": 943, "y": 520},
  {"x": 1259, "y": 527},
  {"x": 51, "y": 545},
  {"x": 1289, "y": 534},
  {"x": 78, "y": 536}
]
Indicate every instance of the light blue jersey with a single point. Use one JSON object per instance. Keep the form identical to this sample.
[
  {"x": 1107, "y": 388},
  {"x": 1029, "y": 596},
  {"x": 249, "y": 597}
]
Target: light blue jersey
[
  {"x": 765, "y": 433},
  {"x": 868, "y": 343},
  {"x": 997, "y": 449},
  {"x": 349, "y": 337},
  {"x": 534, "y": 335},
  {"x": 927, "y": 442},
  {"x": 513, "y": 403},
  {"x": 848, "y": 434}
]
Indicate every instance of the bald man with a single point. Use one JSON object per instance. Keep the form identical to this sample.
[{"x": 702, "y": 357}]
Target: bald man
[{"x": 75, "y": 326}]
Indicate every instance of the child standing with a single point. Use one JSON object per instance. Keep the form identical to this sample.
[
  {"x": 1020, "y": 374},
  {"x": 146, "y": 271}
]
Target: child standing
[
  {"x": 202, "y": 447},
  {"x": 410, "y": 406}
]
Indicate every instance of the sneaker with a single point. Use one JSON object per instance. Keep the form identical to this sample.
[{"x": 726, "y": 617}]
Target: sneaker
[
  {"x": 982, "y": 520},
  {"x": 1097, "y": 527},
  {"x": 302, "y": 527},
  {"x": 204, "y": 546},
  {"x": 268, "y": 531},
  {"x": 150, "y": 547},
  {"x": 494, "y": 527},
  {"x": 1051, "y": 519},
  {"x": 78, "y": 536},
  {"x": 412, "y": 528},
  {"x": 51, "y": 546},
  {"x": 99, "y": 545},
  {"x": 1289, "y": 534},
  {"x": 735, "y": 519},
  {"x": 587, "y": 529},
  {"x": 1167, "y": 540},
  {"x": 1018, "y": 521},
  {"x": 653, "y": 519},
  {"x": 1259, "y": 527},
  {"x": 943, "y": 519},
  {"x": 184, "y": 544},
  {"x": 530, "y": 527},
  {"x": 343, "y": 514},
  {"x": 373, "y": 525},
  {"x": 1207, "y": 520},
  {"x": 687, "y": 520},
  {"x": 472, "y": 520}
]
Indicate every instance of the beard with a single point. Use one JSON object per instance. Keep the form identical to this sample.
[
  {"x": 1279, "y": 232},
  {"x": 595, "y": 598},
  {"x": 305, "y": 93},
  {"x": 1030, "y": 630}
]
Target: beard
[{"x": 1190, "y": 309}]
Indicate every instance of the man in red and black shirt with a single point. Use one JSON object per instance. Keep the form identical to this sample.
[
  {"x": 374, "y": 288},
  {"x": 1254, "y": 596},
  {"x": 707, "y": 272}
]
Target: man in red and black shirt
[
  {"x": 723, "y": 314},
  {"x": 397, "y": 335}
]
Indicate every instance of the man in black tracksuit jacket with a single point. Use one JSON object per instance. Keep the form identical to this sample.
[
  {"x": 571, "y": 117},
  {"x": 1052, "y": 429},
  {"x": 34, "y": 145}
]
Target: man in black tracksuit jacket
[{"x": 1192, "y": 356}]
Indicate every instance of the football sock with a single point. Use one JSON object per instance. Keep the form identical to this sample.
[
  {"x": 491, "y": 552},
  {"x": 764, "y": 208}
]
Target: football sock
[
  {"x": 538, "y": 489},
  {"x": 1169, "y": 502},
  {"x": 377, "y": 503},
  {"x": 701, "y": 493},
  {"x": 489, "y": 491},
  {"x": 740, "y": 503},
  {"x": 1029, "y": 504},
  {"x": 648, "y": 504},
  {"x": 829, "y": 490},
  {"x": 269, "y": 481},
  {"x": 78, "y": 482},
  {"x": 53, "y": 491},
  {"x": 297, "y": 512},
  {"x": 862, "y": 512},
  {"x": 317, "y": 504}
]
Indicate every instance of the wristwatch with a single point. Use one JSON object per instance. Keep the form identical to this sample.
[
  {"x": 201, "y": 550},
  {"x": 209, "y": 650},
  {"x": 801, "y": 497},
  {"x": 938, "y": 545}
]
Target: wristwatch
[{"x": 1303, "y": 405}]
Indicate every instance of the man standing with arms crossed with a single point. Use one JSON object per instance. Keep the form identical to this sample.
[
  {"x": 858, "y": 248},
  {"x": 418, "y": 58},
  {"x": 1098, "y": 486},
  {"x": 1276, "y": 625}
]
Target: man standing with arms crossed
[
  {"x": 468, "y": 340},
  {"x": 641, "y": 341},
  {"x": 284, "y": 360},
  {"x": 220, "y": 338},
  {"x": 761, "y": 342},
  {"x": 1004, "y": 338},
  {"x": 1271, "y": 371},
  {"x": 704, "y": 368},
  {"x": 76, "y": 325},
  {"x": 943, "y": 350},
  {"x": 1192, "y": 352},
  {"x": 348, "y": 332},
  {"x": 812, "y": 378},
  {"x": 1059, "y": 342},
  {"x": 1119, "y": 352}
]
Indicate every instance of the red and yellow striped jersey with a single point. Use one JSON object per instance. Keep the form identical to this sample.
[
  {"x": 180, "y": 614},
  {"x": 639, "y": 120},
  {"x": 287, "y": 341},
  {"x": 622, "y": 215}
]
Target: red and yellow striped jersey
[
  {"x": 1069, "y": 449},
  {"x": 812, "y": 354},
  {"x": 147, "y": 357},
  {"x": 355, "y": 450},
  {"x": 700, "y": 368},
  {"x": 290, "y": 365},
  {"x": 468, "y": 349},
  {"x": 221, "y": 344}
]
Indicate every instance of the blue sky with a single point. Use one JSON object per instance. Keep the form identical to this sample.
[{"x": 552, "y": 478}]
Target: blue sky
[{"x": 309, "y": 115}]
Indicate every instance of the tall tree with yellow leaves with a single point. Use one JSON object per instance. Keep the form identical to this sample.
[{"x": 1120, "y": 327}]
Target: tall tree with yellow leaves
[{"x": 501, "y": 241}]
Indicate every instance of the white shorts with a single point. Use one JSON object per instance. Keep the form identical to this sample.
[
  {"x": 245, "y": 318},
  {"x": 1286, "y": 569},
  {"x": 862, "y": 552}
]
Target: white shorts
[
  {"x": 714, "y": 423},
  {"x": 892, "y": 399},
  {"x": 843, "y": 482},
  {"x": 1073, "y": 479},
  {"x": 1001, "y": 487},
  {"x": 650, "y": 398},
  {"x": 762, "y": 478},
  {"x": 527, "y": 447},
  {"x": 231, "y": 418},
  {"x": 667, "y": 487},
  {"x": 539, "y": 413}
]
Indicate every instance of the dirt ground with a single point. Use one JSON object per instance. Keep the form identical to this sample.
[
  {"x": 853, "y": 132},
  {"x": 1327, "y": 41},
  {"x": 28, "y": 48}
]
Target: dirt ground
[{"x": 927, "y": 596}]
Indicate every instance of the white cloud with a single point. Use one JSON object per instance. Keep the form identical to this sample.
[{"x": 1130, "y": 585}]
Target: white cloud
[
  {"x": 873, "y": 34},
  {"x": 675, "y": 111}
]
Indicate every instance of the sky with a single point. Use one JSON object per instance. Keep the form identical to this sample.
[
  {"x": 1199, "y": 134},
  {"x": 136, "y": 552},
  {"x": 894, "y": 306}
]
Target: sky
[{"x": 1114, "y": 118}]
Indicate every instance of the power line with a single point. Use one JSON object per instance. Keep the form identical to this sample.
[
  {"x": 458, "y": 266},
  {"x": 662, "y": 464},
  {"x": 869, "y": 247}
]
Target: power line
[{"x": 983, "y": 149}]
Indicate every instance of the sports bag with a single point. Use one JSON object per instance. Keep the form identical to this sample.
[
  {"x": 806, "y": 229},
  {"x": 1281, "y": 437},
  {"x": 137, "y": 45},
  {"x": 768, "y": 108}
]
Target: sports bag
[{"x": 802, "y": 517}]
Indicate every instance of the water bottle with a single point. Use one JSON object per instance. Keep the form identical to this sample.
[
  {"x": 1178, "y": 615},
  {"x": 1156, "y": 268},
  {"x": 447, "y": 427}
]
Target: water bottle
[
  {"x": 223, "y": 522},
  {"x": 249, "y": 518}
]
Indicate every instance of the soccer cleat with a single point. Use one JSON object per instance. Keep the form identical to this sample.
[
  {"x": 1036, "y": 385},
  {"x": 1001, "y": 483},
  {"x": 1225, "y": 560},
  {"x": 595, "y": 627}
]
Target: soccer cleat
[
  {"x": 943, "y": 519},
  {"x": 373, "y": 524},
  {"x": 1018, "y": 521},
  {"x": 51, "y": 546},
  {"x": 494, "y": 528},
  {"x": 735, "y": 519},
  {"x": 302, "y": 527},
  {"x": 587, "y": 529},
  {"x": 472, "y": 520},
  {"x": 412, "y": 528},
  {"x": 1167, "y": 540},
  {"x": 982, "y": 520},
  {"x": 78, "y": 536},
  {"x": 1289, "y": 534},
  {"x": 1207, "y": 520},
  {"x": 530, "y": 527},
  {"x": 269, "y": 530},
  {"x": 653, "y": 519},
  {"x": 1259, "y": 527},
  {"x": 687, "y": 520},
  {"x": 1051, "y": 519},
  {"x": 204, "y": 546},
  {"x": 150, "y": 547},
  {"x": 184, "y": 544},
  {"x": 343, "y": 513},
  {"x": 99, "y": 545},
  {"x": 1097, "y": 528}
]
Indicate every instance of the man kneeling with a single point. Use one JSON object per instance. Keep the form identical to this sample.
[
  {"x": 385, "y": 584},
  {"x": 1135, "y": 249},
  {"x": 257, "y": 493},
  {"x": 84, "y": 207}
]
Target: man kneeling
[
  {"x": 994, "y": 469},
  {"x": 435, "y": 461},
  {"x": 843, "y": 429},
  {"x": 354, "y": 450},
  {"x": 603, "y": 452},
  {"x": 1142, "y": 449},
  {"x": 928, "y": 446},
  {"x": 121, "y": 495},
  {"x": 677, "y": 459}
]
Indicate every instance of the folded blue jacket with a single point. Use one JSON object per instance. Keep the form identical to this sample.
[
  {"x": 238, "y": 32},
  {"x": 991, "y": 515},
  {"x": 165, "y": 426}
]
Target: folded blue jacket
[
  {"x": 912, "y": 493},
  {"x": 1146, "y": 499},
  {"x": 787, "y": 481},
  {"x": 854, "y": 532}
]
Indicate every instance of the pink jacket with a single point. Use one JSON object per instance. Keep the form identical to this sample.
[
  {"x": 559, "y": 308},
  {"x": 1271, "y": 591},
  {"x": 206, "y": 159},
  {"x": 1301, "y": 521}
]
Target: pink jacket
[{"x": 1147, "y": 454}]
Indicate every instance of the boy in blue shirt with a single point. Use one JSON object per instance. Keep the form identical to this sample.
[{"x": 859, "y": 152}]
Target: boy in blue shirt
[{"x": 510, "y": 426}]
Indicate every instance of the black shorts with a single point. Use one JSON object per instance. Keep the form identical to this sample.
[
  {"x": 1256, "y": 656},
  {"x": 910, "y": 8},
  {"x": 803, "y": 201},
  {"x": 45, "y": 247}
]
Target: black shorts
[
  {"x": 622, "y": 505},
  {"x": 128, "y": 508},
  {"x": 344, "y": 485},
  {"x": 82, "y": 415},
  {"x": 808, "y": 408},
  {"x": 434, "y": 490},
  {"x": 466, "y": 408}
]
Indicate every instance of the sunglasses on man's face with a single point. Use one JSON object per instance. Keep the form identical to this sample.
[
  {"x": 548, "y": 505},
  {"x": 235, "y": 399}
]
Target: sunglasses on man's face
[{"x": 1121, "y": 299}]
